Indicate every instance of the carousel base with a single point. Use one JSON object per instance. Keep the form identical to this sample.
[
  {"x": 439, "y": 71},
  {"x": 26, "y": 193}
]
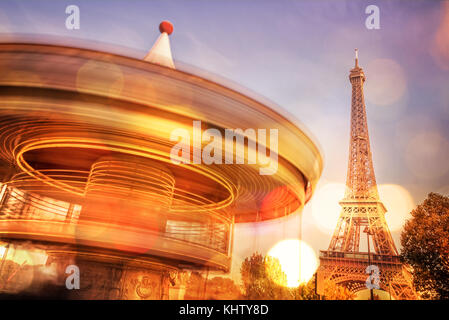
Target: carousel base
[
  {"x": 111, "y": 277},
  {"x": 74, "y": 273}
]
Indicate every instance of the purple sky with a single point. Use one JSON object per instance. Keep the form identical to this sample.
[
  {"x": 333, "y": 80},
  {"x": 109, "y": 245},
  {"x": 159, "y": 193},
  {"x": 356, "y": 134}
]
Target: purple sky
[{"x": 297, "y": 54}]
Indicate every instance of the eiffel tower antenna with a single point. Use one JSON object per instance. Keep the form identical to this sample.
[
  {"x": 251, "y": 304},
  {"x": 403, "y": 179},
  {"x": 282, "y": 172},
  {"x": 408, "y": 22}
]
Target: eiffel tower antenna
[{"x": 344, "y": 262}]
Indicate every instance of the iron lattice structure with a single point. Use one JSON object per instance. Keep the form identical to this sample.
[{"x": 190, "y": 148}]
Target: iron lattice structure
[{"x": 362, "y": 211}]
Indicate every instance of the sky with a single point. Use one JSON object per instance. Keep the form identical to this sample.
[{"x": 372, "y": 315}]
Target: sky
[{"x": 298, "y": 54}]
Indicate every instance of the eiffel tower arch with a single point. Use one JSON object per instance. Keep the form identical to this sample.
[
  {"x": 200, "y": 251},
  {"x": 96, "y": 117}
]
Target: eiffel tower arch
[{"x": 362, "y": 215}]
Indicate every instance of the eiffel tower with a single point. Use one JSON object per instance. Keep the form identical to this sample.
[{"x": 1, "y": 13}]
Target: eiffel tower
[{"x": 362, "y": 211}]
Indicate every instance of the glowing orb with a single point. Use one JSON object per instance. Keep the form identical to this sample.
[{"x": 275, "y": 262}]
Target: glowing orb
[
  {"x": 399, "y": 204},
  {"x": 297, "y": 259},
  {"x": 426, "y": 155},
  {"x": 325, "y": 205},
  {"x": 387, "y": 84}
]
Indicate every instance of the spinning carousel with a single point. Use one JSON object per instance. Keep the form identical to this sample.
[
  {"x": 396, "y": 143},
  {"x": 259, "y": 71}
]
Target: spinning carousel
[{"x": 87, "y": 173}]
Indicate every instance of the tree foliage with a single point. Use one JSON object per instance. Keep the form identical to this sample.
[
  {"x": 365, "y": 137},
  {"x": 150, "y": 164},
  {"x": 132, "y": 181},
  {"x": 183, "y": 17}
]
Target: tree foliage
[
  {"x": 333, "y": 291},
  {"x": 216, "y": 288},
  {"x": 425, "y": 242},
  {"x": 263, "y": 278},
  {"x": 220, "y": 288},
  {"x": 305, "y": 291},
  {"x": 195, "y": 286}
]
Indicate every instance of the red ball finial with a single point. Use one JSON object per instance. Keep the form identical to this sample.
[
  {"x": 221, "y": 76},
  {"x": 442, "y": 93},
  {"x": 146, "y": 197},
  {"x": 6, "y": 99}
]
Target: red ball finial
[{"x": 166, "y": 26}]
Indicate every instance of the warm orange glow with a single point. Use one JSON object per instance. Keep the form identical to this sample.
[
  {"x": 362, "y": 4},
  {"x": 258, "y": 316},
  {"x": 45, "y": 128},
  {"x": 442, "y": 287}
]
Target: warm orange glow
[
  {"x": 108, "y": 76},
  {"x": 325, "y": 205},
  {"x": 297, "y": 259},
  {"x": 440, "y": 48},
  {"x": 22, "y": 256},
  {"x": 326, "y": 208},
  {"x": 93, "y": 148},
  {"x": 398, "y": 202}
]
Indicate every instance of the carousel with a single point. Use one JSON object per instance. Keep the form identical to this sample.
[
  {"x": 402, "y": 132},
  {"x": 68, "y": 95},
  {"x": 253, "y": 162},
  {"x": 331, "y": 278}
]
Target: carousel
[{"x": 87, "y": 170}]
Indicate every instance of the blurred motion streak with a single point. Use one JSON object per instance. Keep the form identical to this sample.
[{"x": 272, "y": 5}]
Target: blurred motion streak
[{"x": 87, "y": 176}]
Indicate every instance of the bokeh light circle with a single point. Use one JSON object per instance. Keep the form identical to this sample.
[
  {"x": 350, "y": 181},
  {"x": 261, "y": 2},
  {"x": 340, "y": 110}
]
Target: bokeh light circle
[
  {"x": 108, "y": 77},
  {"x": 387, "y": 83},
  {"x": 326, "y": 208},
  {"x": 297, "y": 259},
  {"x": 439, "y": 48},
  {"x": 426, "y": 155},
  {"x": 399, "y": 204},
  {"x": 325, "y": 205}
]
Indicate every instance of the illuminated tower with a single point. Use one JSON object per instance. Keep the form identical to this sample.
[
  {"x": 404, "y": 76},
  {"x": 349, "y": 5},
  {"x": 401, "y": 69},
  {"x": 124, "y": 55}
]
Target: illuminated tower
[{"x": 362, "y": 212}]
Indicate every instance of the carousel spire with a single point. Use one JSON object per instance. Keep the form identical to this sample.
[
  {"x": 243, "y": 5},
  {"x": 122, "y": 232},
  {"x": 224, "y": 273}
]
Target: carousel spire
[{"x": 160, "y": 53}]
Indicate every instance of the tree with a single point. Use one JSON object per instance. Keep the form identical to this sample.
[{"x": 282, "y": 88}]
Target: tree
[
  {"x": 333, "y": 291},
  {"x": 263, "y": 279},
  {"x": 425, "y": 246},
  {"x": 217, "y": 288},
  {"x": 220, "y": 288},
  {"x": 195, "y": 286},
  {"x": 305, "y": 291}
]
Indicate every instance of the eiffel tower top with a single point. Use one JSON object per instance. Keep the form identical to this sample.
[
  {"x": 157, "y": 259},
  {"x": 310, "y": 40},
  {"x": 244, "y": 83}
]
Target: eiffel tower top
[
  {"x": 360, "y": 181},
  {"x": 357, "y": 71}
]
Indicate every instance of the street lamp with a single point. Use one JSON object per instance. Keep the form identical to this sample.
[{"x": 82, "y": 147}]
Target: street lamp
[{"x": 368, "y": 232}]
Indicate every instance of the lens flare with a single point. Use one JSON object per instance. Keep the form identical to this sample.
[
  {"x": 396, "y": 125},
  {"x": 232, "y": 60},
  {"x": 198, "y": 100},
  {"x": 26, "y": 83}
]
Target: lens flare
[
  {"x": 399, "y": 204},
  {"x": 387, "y": 84},
  {"x": 326, "y": 208},
  {"x": 440, "y": 46},
  {"x": 426, "y": 155},
  {"x": 325, "y": 205},
  {"x": 20, "y": 277},
  {"x": 108, "y": 76},
  {"x": 30, "y": 257},
  {"x": 297, "y": 259}
]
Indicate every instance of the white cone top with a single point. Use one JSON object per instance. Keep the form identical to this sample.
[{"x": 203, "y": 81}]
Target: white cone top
[{"x": 160, "y": 53}]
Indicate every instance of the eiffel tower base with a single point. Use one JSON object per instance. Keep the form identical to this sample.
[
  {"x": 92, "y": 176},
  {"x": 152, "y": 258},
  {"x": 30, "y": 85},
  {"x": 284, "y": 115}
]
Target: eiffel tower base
[{"x": 349, "y": 270}]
